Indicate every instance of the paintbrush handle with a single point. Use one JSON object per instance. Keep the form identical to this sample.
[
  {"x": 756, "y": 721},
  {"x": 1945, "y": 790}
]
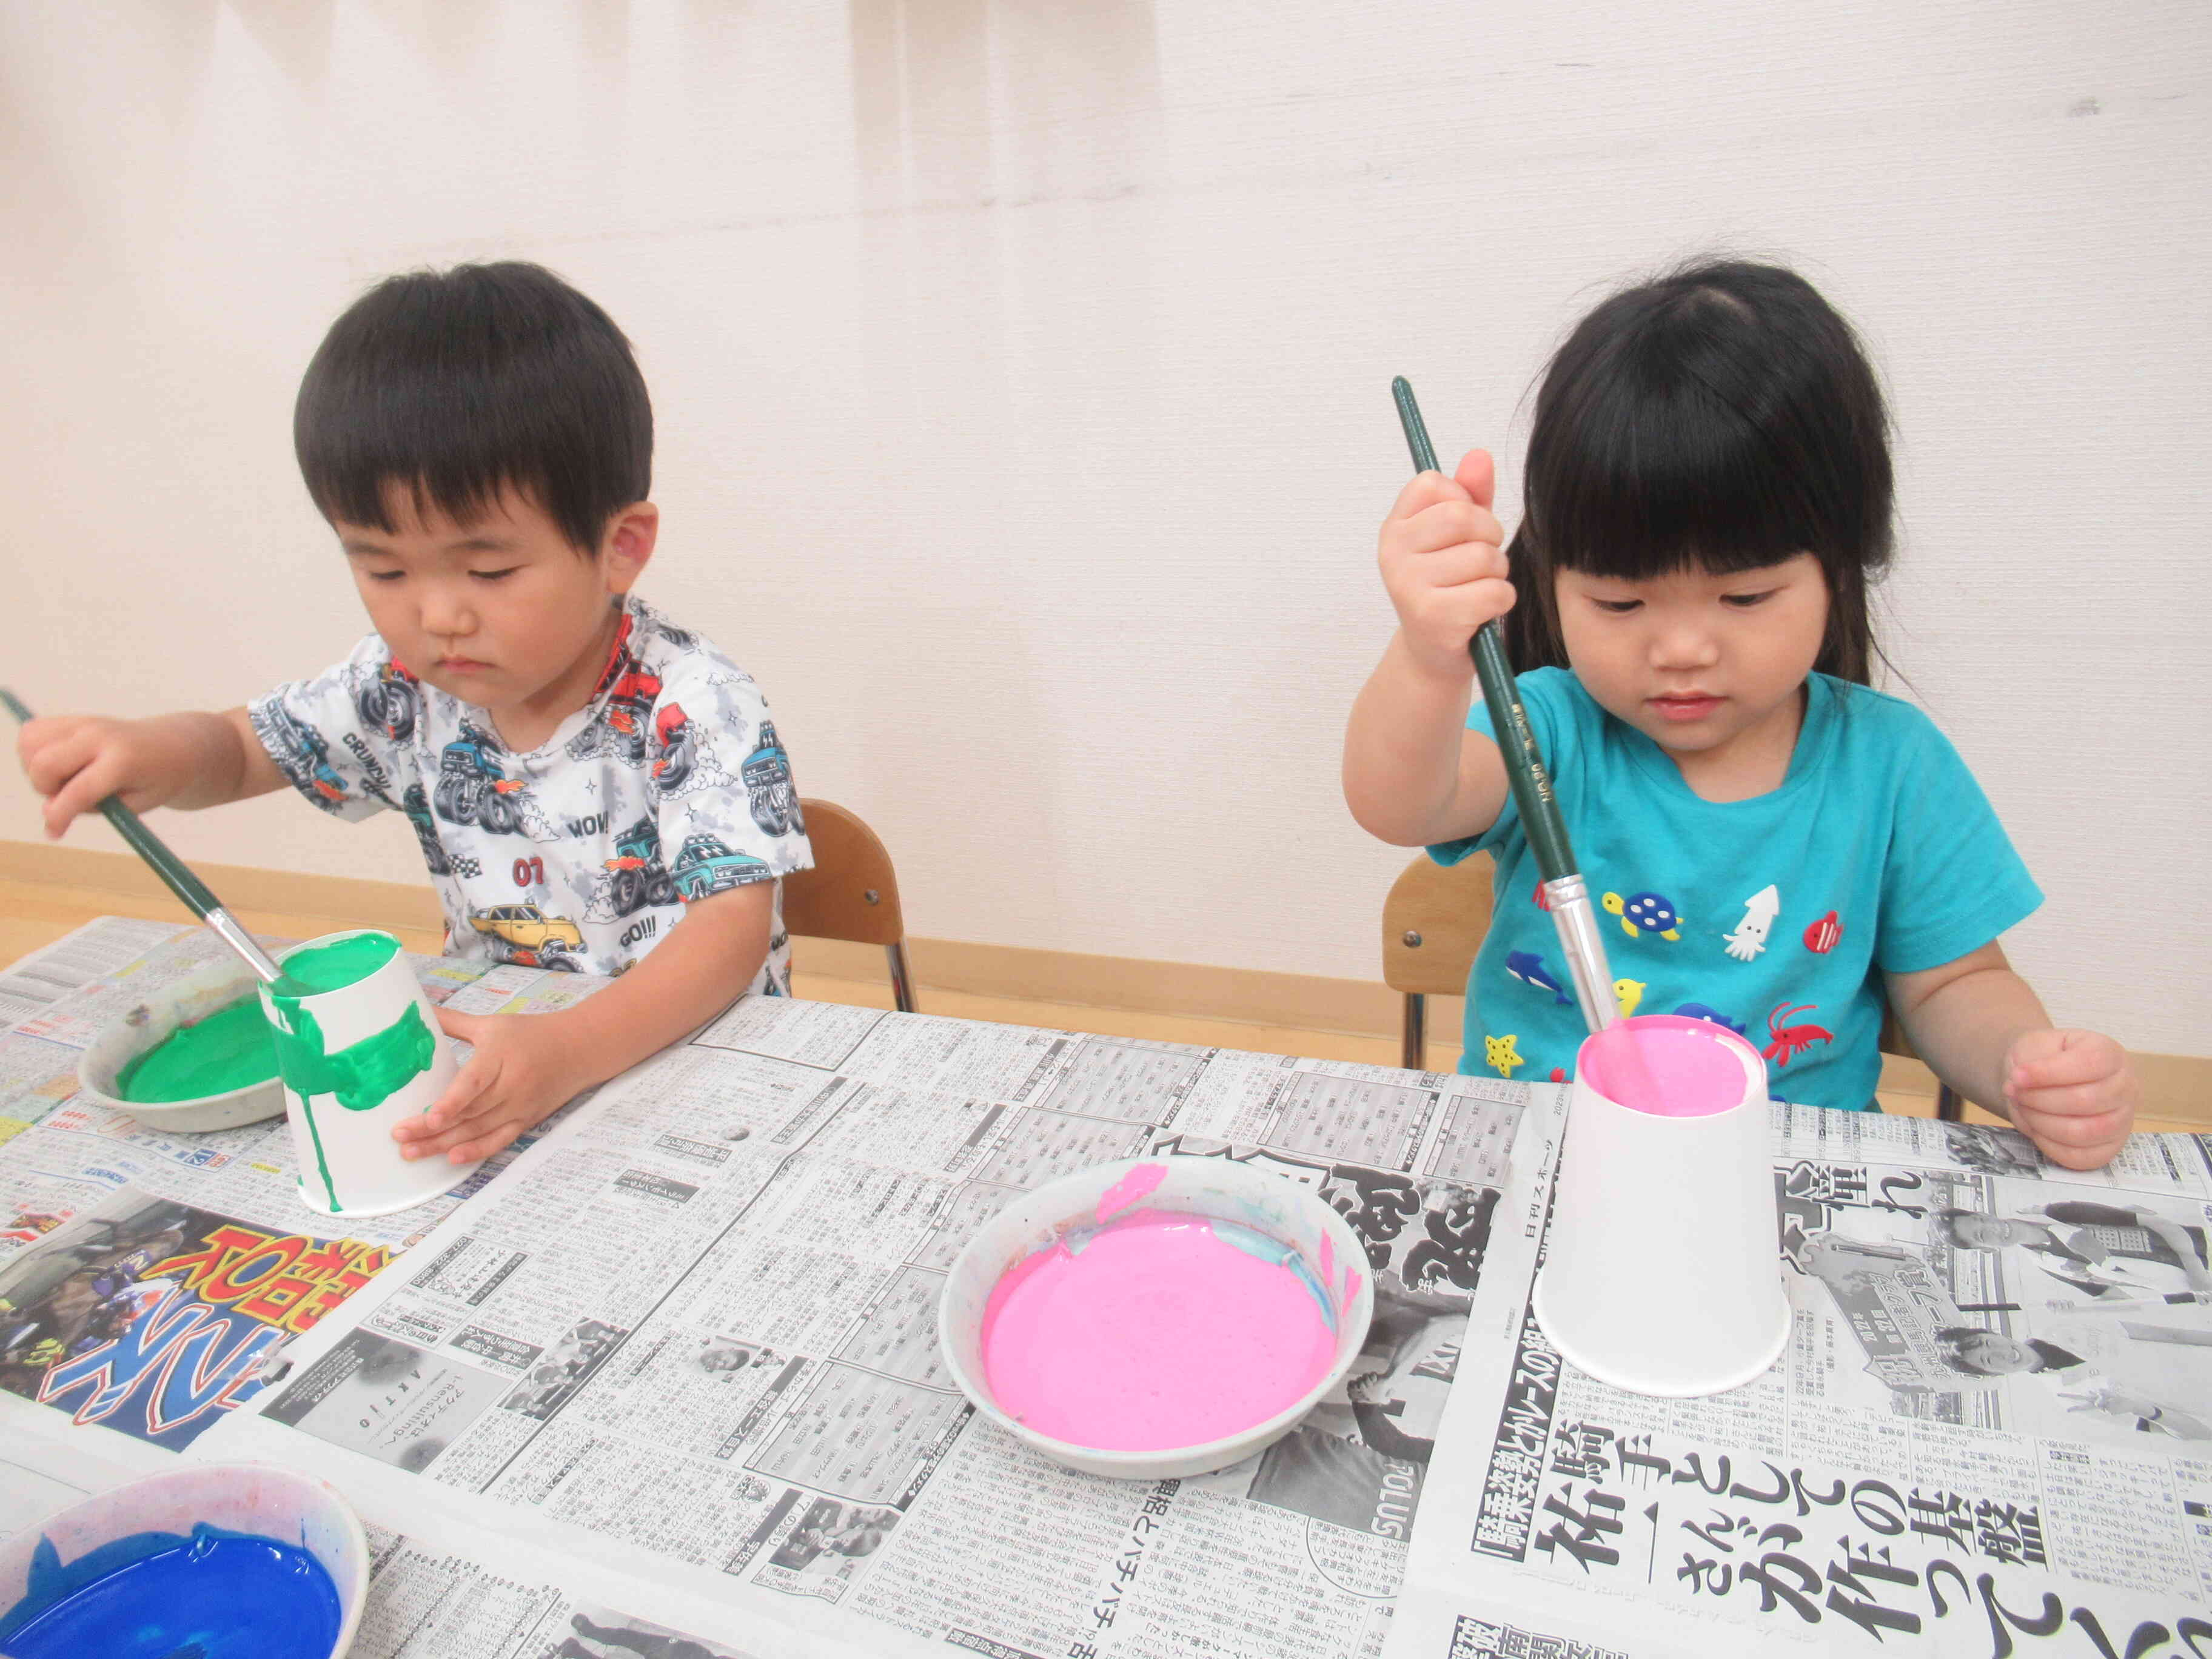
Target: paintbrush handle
[
  {"x": 1524, "y": 763},
  {"x": 1564, "y": 894},
  {"x": 197, "y": 895}
]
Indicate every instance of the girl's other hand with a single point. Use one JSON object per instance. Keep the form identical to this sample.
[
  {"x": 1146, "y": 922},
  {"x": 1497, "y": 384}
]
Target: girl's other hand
[
  {"x": 1442, "y": 559},
  {"x": 2073, "y": 1093}
]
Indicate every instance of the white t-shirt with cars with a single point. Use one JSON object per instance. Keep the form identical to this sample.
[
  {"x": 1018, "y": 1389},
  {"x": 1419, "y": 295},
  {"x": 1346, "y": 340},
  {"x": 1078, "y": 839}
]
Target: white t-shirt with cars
[{"x": 670, "y": 786}]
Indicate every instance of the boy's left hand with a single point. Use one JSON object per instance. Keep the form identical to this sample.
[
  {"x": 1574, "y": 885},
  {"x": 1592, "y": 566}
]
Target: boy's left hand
[
  {"x": 2072, "y": 1093},
  {"x": 522, "y": 1071}
]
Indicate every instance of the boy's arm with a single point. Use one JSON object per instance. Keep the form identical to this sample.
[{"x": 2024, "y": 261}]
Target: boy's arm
[
  {"x": 525, "y": 1067},
  {"x": 1983, "y": 1032},
  {"x": 185, "y": 761},
  {"x": 1413, "y": 774}
]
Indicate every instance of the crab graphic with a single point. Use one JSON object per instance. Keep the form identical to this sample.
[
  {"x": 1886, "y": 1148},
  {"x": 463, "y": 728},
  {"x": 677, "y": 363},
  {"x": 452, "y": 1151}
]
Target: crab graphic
[{"x": 1645, "y": 912}]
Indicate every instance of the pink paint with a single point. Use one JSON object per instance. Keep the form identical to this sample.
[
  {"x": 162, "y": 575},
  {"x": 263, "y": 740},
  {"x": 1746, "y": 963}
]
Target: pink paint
[
  {"x": 1668, "y": 1064},
  {"x": 1155, "y": 1333},
  {"x": 1137, "y": 1184}
]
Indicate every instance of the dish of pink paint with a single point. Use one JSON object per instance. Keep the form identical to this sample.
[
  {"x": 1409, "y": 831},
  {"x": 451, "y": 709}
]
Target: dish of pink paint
[
  {"x": 1155, "y": 1333},
  {"x": 1667, "y": 1065}
]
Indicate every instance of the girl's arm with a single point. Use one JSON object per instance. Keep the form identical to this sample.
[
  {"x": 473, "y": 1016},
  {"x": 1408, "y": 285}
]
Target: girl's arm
[
  {"x": 1983, "y": 1032},
  {"x": 1413, "y": 774}
]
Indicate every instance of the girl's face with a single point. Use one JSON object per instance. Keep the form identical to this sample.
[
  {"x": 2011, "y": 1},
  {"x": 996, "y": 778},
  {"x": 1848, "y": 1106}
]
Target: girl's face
[{"x": 1706, "y": 666}]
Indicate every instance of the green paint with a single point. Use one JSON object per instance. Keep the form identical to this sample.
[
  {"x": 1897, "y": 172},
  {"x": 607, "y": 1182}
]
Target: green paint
[
  {"x": 229, "y": 1049},
  {"x": 363, "y": 1075},
  {"x": 334, "y": 966}
]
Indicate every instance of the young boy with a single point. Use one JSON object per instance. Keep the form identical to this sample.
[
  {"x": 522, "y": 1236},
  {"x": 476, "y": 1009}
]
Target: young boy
[{"x": 594, "y": 788}]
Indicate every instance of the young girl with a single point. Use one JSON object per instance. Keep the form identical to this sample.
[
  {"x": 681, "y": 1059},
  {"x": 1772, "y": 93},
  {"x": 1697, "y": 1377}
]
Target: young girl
[{"x": 1781, "y": 850}]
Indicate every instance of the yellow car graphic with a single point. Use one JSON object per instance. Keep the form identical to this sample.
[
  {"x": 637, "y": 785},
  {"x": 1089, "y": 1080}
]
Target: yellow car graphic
[{"x": 527, "y": 927}]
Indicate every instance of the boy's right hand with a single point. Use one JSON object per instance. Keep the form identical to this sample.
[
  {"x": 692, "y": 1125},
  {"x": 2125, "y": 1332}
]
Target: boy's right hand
[
  {"x": 1444, "y": 561},
  {"x": 78, "y": 761}
]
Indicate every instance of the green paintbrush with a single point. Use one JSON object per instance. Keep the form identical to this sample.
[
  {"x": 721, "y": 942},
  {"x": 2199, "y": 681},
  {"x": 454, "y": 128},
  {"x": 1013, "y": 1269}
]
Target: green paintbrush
[
  {"x": 1564, "y": 894},
  {"x": 174, "y": 871}
]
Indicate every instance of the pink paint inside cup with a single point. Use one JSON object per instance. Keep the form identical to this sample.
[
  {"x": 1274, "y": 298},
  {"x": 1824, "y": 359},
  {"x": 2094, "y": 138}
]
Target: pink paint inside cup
[{"x": 1666, "y": 1065}]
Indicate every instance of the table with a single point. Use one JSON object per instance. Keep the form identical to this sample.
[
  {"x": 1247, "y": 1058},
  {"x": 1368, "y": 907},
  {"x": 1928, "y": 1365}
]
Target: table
[{"x": 664, "y": 1381}]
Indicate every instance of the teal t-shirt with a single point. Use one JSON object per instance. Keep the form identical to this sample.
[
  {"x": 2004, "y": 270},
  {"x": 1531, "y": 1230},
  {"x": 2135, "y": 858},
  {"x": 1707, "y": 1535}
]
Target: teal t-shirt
[{"x": 1776, "y": 915}]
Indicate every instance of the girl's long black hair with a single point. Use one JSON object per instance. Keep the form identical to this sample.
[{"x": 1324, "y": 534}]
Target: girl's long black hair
[{"x": 1723, "y": 417}]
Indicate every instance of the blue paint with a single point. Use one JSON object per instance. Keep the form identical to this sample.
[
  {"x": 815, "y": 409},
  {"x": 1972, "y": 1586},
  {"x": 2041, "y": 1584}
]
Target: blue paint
[
  {"x": 218, "y": 1595},
  {"x": 1252, "y": 1241}
]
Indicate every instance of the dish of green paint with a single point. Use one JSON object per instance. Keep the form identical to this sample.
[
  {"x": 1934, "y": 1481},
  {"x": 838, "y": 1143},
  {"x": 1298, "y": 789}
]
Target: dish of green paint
[{"x": 231, "y": 1049}]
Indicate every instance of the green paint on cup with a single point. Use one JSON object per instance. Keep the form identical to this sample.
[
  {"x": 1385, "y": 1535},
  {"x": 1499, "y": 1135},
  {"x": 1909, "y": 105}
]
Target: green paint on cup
[
  {"x": 363, "y": 1075},
  {"x": 229, "y": 1049}
]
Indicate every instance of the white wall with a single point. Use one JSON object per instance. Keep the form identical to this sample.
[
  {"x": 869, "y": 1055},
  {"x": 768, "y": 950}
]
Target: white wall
[{"x": 1021, "y": 371}]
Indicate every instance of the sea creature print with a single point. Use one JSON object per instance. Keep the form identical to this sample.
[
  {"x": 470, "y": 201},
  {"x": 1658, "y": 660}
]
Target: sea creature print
[
  {"x": 1629, "y": 995},
  {"x": 1528, "y": 968},
  {"x": 1824, "y": 935},
  {"x": 1500, "y": 1055},
  {"x": 1749, "y": 938},
  {"x": 1644, "y": 913},
  {"x": 1790, "y": 1040}
]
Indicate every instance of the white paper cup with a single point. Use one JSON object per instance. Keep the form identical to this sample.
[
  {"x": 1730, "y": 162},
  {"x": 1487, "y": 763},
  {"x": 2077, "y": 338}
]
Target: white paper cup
[
  {"x": 245, "y": 1497},
  {"x": 1266, "y": 1202},
  {"x": 350, "y": 1164},
  {"x": 1663, "y": 1270}
]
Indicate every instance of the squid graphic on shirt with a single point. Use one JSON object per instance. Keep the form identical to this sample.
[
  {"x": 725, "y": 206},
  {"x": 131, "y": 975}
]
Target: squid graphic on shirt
[{"x": 1749, "y": 938}]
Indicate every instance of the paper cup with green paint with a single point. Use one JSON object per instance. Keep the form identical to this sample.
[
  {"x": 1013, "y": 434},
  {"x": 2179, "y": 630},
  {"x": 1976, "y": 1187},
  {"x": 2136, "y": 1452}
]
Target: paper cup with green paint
[{"x": 358, "y": 1047}]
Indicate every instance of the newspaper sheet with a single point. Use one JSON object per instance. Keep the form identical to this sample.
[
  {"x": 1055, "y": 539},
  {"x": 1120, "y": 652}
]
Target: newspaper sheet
[
  {"x": 693, "y": 1335},
  {"x": 1991, "y": 1433},
  {"x": 148, "y": 1281}
]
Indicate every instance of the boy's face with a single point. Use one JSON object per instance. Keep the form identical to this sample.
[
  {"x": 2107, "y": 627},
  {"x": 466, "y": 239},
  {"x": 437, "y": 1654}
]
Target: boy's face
[
  {"x": 502, "y": 612},
  {"x": 1694, "y": 661}
]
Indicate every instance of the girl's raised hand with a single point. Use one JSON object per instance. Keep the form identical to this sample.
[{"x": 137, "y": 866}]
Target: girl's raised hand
[
  {"x": 1442, "y": 558},
  {"x": 2072, "y": 1093}
]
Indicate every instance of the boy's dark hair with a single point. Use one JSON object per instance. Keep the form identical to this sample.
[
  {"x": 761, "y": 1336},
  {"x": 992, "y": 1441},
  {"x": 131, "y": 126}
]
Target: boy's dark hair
[
  {"x": 1722, "y": 415},
  {"x": 456, "y": 384}
]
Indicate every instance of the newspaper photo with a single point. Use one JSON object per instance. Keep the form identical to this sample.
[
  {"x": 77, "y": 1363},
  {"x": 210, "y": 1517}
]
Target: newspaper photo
[
  {"x": 1987, "y": 1434},
  {"x": 694, "y": 1332}
]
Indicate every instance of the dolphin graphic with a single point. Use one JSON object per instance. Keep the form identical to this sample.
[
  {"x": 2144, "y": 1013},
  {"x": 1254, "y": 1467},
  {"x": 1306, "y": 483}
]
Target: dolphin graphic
[
  {"x": 1528, "y": 968},
  {"x": 1699, "y": 1011}
]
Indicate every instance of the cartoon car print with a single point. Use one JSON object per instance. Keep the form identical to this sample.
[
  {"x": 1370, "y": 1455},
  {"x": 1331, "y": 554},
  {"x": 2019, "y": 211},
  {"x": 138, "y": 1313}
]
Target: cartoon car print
[
  {"x": 307, "y": 755},
  {"x": 706, "y": 867},
  {"x": 390, "y": 702},
  {"x": 767, "y": 777},
  {"x": 535, "y": 939},
  {"x": 416, "y": 804},
  {"x": 629, "y": 708},
  {"x": 472, "y": 786},
  {"x": 637, "y": 878}
]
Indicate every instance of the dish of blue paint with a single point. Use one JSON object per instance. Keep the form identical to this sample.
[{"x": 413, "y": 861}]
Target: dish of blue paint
[{"x": 215, "y": 1594}]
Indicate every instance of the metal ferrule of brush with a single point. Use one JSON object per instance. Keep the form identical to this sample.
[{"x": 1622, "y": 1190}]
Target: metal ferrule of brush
[
  {"x": 1568, "y": 902},
  {"x": 245, "y": 944}
]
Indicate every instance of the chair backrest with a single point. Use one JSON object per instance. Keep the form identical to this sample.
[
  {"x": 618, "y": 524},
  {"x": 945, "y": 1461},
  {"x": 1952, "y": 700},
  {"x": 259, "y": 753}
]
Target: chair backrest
[
  {"x": 852, "y": 892},
  {"x": 1433, "y": 923}
]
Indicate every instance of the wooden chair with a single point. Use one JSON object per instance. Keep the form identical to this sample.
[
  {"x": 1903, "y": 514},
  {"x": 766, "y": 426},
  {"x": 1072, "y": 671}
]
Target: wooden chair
[
  {"x": 1433, "y": 923},
  {"x": 851, "y": 893}
]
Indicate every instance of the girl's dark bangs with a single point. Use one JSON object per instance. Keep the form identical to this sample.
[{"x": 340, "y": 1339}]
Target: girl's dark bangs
[{"x": 1649, "y": 482}]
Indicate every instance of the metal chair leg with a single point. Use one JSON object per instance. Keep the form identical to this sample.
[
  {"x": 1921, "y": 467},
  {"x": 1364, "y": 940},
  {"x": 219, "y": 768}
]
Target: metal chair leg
[
  {"x": 1950, "y": 1104},
  {"x": 902, "y": 983},
  {"x": 1413, "y": 1048}
]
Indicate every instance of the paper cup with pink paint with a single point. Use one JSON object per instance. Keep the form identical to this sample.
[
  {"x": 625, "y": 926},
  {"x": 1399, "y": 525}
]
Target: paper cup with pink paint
[
  {"x": 359, "y": 1050},
  {"x": 1663, "y": 1270},
  {"x": 1156, "y": 1317}
]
